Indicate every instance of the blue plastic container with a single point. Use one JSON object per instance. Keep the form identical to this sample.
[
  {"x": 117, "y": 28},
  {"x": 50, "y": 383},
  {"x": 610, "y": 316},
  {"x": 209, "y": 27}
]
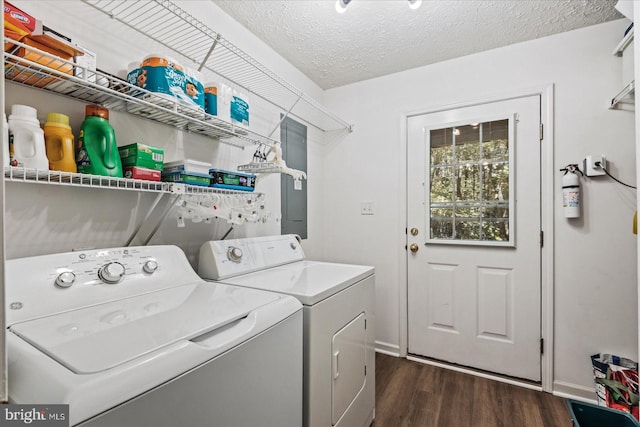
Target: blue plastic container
[{"x": 588, "y": 415}]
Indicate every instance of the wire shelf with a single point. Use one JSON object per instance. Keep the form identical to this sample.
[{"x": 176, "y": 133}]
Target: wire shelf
[
  {"x": 51, "y": 73},
  {"x": 27, "y": 175},
  {"x": 172, "y": 27},
  {"x": 81, "y": 180}
]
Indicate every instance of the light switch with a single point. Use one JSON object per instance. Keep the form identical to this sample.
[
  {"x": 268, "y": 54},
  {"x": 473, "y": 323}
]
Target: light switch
[{"x": 366, "y": 208}]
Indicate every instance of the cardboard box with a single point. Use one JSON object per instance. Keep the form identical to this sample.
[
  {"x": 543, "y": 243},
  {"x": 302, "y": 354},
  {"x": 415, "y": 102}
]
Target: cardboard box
[
  {"x": 33, "y": 76},
  {"x": 135, "y": 172},
  {"x": 142, "y": 155},
  {"x": 232, "y": 180},
  {"x": 26, "y": 20}
]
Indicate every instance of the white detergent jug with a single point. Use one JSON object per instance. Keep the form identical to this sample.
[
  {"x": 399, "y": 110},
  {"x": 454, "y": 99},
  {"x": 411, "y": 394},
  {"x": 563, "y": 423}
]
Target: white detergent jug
[
  {"x": 5, "y": 140},
  {"x": 26, "y": 139}
]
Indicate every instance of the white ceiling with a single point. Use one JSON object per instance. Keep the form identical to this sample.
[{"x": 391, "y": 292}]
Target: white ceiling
[{"x": 378, "y": 37}]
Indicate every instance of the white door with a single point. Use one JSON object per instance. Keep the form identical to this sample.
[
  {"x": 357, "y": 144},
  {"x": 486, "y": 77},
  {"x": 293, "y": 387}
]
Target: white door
[{"x": 474, "y": 240}]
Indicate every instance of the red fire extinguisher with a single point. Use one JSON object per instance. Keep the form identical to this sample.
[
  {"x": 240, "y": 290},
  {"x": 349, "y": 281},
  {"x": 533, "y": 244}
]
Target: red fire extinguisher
[{"x": 571, "y": 191}]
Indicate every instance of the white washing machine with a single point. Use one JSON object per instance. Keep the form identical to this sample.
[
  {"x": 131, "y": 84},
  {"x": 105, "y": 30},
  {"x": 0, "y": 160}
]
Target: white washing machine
[
  {"x": 338, "y": 304},
  {"x": 133, "y": 337}
]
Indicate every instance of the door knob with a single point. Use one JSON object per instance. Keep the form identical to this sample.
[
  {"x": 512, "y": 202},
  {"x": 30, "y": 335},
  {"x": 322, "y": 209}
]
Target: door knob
[
  {"x": 414, "y": 231},
  {"x": 414, "y": 247}
]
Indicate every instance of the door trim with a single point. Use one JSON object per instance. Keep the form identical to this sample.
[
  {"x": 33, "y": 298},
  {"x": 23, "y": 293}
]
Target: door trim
[{"x": 546, "y": 93}]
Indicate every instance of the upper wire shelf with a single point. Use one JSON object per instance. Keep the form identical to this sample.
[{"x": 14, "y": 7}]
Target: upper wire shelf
[
  {"x": 174, "y": 28},
  {"x": 54, "y": 74}
]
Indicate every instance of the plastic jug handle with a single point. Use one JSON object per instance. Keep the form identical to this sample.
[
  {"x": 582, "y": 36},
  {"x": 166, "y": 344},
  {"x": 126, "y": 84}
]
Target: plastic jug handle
[{"x": 109, "y": 149}]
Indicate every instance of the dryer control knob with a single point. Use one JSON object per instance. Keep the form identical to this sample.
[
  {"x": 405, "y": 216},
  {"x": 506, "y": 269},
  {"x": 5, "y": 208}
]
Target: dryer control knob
[
  {"x": 234, "y": 254},
  {"x": 111, "y": 273},
  {"x": 65, "y": 279},
  {"x": 150, "y": 266}
]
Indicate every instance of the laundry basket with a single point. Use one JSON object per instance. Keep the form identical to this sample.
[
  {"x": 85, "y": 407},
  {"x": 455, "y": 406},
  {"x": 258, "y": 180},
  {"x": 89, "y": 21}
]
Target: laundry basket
[{"x": 588, "y": 415}]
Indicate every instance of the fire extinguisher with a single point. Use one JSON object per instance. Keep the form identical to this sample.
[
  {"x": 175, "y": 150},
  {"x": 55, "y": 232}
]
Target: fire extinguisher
[{"x": 571, "y": 191}]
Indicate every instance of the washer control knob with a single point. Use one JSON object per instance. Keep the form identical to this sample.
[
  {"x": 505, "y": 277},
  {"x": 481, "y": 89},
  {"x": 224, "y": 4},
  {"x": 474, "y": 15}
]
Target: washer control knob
[
  {"x": 234, "y": 254},
  {"x": 150, "y": 266},
  {"x": 293, "y": 246},
  {"x": 65, "y": 279},
  {"x": 111, "y": 273}
]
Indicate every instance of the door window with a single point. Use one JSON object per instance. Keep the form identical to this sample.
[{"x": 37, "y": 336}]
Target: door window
[{"x": 470, "y": 182}]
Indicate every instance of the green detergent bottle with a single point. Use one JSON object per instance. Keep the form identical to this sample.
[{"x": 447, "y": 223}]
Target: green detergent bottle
[{"x": 96, "y": 150}]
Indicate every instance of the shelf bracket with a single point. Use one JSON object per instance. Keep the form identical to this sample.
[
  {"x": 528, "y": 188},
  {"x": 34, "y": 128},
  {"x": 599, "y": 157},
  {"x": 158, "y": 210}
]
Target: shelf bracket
[
  {"x": 206, "y": 57},
  {"x": 227, "y": 233},
  {"x": 145, "y": 219},
  {"x": 176, "y": 199},
  {"x": 284, "y": 116},
  {"x": 625, "y": 96}
]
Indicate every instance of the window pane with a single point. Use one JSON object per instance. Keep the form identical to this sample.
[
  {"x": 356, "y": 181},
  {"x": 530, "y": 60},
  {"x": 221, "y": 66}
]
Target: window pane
[
  {"x": 495, "y": 181},
  {"x": 441, "y": 184},
  {"x": 468, "y": 212},
  {"x": 441, "y": 229},
  {"x": 467, "y": 230},
  {"x": 469, "y": 182},
  {"x": 495, "y": 140},
  {"x": 495, "y": 230},
  {"x": 441, "y": 147},
  {"x": 467, "y": 143}
]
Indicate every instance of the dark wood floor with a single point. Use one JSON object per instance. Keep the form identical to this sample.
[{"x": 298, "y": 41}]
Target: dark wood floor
[{"x": 413, "y": 394}]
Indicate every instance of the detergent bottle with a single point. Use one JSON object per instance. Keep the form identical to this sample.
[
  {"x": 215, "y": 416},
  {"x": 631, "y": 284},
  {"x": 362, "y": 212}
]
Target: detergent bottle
[
  {"x": 58, "y": 140},
  {"x": 26, "y": 139},
  {"x": 96, "y": 149}
]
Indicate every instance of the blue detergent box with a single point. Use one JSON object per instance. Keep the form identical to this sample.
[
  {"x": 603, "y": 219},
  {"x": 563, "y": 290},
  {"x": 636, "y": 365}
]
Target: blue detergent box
[{"x": 232, "y": 180}]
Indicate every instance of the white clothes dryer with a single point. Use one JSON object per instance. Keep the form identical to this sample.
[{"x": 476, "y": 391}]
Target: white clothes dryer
[
  {"x": 133, "y": 337},
  {"x": 338, "y": 307}
]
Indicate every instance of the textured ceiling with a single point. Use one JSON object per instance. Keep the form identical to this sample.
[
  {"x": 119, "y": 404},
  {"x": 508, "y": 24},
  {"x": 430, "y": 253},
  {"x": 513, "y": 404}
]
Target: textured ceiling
[{"x": 377, "y": 37}]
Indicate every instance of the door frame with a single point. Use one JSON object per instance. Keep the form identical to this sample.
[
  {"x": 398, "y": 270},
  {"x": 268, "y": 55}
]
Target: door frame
[{"x": 546, "y": 93}]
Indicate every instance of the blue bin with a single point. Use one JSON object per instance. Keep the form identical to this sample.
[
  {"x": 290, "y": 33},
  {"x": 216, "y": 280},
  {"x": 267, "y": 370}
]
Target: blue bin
[{"x": 588, "y": 415}]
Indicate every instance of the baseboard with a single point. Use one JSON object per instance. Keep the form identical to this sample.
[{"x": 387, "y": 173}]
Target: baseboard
[
  {"x": 574, "y": 391},
  {"x": 388, "y": 349}
]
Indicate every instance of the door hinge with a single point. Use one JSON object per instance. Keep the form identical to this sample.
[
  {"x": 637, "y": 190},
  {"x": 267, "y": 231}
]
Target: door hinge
[
  {"x": 365, "y": 323},
  {"x": 365, "y": 370},
  {"x": 541, "y": 131},
  {"x": 541, "y": 238},
  {"x": 541, "y": 345}
]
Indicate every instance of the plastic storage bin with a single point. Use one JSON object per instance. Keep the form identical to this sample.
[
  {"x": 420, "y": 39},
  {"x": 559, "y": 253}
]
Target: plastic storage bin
[
  {"x": 188, "y": 166},
  {"x": 588, "y": 415}
]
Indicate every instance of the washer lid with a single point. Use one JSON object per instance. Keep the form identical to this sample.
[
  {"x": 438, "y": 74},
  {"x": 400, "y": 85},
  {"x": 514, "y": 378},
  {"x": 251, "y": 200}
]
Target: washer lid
[
  {"x": 309, "y": 281},
  {"x": 100, "y": 337}
]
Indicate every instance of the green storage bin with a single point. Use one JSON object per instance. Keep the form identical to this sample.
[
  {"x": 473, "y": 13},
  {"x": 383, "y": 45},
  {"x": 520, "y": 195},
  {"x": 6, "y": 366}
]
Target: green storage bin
[{"x": 588, "y": 415}]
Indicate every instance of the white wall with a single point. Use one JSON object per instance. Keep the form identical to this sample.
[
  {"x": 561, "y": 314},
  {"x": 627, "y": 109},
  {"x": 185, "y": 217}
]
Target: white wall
[
  {"x": 44, "y": 220},
  {"x": 595, "y": 256}
]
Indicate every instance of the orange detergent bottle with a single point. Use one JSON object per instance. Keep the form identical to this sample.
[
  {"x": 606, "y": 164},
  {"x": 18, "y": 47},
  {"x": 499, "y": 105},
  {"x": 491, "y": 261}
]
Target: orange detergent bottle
[{"x": 58, "y": 140}]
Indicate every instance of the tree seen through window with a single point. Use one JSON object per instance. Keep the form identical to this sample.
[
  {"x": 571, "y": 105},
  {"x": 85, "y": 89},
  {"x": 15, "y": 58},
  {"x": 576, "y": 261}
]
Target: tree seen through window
[{"x": 469, "y": 182}]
